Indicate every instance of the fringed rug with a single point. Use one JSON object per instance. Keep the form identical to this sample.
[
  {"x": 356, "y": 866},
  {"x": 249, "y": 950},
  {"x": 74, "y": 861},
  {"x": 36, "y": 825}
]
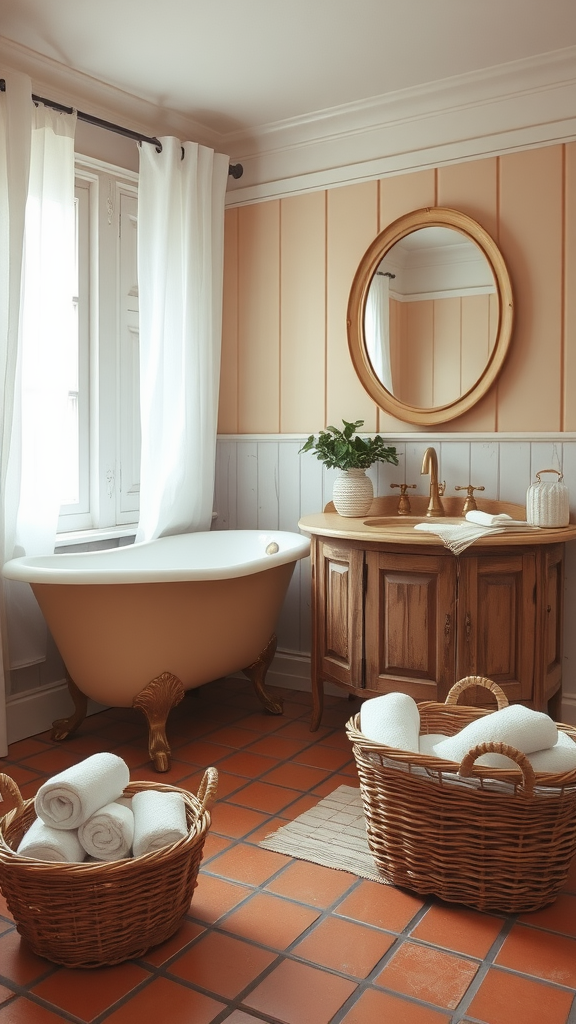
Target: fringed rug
[{"x": 332, "y": 833}]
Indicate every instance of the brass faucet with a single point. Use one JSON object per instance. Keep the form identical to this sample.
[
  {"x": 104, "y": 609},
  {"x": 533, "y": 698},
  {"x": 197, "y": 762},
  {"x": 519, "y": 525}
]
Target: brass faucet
[{"x": 430, "y": 465}]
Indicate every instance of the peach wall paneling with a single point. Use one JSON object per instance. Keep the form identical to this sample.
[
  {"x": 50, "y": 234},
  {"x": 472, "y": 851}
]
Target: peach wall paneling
[
  {"x": 531, "y": 200},
  {"x": 259, "y": 318},
  {"x": 352, "y": 224},
  {"x": 302, "y": 312},
  {"x": 569, "y": 292},
  {"x": 228, "y": 400}
]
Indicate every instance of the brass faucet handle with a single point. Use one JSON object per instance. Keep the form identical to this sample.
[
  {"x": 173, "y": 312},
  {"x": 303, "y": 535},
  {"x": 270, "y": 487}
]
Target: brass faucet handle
[
  {"x": 470, "y": 501},
  {"x": 442, "y": 488},
  {"x": 404, "y": 503}
]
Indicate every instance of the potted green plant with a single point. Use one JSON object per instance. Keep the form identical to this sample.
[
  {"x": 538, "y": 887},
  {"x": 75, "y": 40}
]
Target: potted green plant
[{"x": 352, "y": 455}]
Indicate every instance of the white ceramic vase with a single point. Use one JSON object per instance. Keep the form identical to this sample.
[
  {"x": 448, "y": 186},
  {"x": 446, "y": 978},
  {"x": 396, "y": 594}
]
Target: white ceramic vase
[{"x": 352, "y": 493}]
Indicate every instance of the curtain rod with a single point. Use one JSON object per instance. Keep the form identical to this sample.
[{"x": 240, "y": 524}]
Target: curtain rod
[{"x": 234, "y": 170}]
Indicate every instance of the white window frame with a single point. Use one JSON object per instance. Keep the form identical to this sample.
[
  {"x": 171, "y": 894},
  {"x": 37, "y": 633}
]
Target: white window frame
[{"x": 108, "y": 328}]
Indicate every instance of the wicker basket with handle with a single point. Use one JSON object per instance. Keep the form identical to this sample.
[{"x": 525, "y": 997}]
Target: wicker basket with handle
[
  {"x": 491, "y": 838},
  {"x": 97, "y": 914}
]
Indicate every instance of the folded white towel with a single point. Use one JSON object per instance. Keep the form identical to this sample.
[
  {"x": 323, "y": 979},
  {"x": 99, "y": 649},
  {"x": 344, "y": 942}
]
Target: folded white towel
[
  {"x": 109, "y": 832},
  {"x": 502, "y": 519},
  {"x": 392, "y": 719},
  {"x": 458, "y": 536},
  {"x": 520, "y": 727},
  {"x": 70, "y": 798},
  {"x": 428, "y": 741},
  {"x": 45, "y": 843},
  {"x": 159, "y": 820}
]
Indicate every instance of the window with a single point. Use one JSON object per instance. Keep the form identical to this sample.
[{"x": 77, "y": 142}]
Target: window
[{"x": 103, "y": 449}]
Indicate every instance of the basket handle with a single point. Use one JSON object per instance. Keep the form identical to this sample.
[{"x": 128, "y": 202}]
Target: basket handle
[
  {"x": 528, "y": 778},
  {"x": 208, "y": 789},
  {"x": 9, "y": 790},
  {"x": 488, "y": 684}
]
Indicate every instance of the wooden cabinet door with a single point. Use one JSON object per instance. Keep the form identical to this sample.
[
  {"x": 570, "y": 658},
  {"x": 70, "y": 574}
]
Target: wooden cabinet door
[
  {"x": 497, "y": 620},
  {"x": 338, "y": 614},
  {"x": 549, "y": 618},
  {"x": 410, "y": 629}
]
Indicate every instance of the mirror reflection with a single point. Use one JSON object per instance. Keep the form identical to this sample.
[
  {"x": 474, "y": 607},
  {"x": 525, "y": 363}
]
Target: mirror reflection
[{"x": 431, "y": 317}]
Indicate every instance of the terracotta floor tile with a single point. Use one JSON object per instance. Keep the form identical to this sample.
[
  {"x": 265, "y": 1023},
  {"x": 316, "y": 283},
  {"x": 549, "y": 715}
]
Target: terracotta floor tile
[
  {"x": 165, "y": 1000},
  {"x": 187, "y": 932},
  {"x": 270, "y": 826},
  {"x": 87, "y": 993},
  {"x": 21, "y": 775},
  {"x": 23, "y": 1011},
  {"x": 229, "y": 820},
  {"x": 261, "y": 723},
  {"x": 502, "y": 994},
  {"x": 24, "y": 748},
  {"x": 234, "y": 736},
  {"x": 311, "y": 883},
  {"x": 214, "y": 897},
  {"x": 345, "y": 947},
  {"x": 18, "y": 961},
  {"x": 222, "y": 964},
  {"x": 203, "y": 752},
  {"x": 331, "y": 784},
  {"x": 541, "y": 954},
  {"x": 277, "y": 746},
  {"x": 213, "y": 845},
  {"x": 428, "y": 974},
  {"x": 303, "y": 803},
  {"x": 297, "y": 776},
  {"x": 5, "y": 994},
  {"x": 380, "y": 905},
  {"x": 243, "y": 762},
  {"x": 329, "y": 758},
  {"x": 301, "y": 731},
  {"x": 249, "y": 864},
  {"x": 380, "y": 1008},
  {"x": 261, "y": 796},
  {"x": 297, "y": 994},
  {"x": 179, "y": 770},
  {"x": 337, "y": 739},
  {"x": 227, "y": 783},
  {"x": 270, "y": 920},
  {"x": 559, "y": 917},
  {"x": 4, "y": 908},
  {"x": 459, "y": 928},
  {"x": 239, "y": 1017}
]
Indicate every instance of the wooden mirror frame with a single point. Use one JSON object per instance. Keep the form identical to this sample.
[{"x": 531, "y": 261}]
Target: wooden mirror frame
[{"x": 428, "y": 217}]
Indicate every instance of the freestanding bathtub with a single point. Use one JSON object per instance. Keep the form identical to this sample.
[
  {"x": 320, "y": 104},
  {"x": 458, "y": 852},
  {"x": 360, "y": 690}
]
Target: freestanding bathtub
[{"x": 137, "y": 626}]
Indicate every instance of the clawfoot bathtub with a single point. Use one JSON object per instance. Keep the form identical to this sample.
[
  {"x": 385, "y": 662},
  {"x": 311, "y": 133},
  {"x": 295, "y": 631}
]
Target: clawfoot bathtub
[{"x": 138, "y": 626}]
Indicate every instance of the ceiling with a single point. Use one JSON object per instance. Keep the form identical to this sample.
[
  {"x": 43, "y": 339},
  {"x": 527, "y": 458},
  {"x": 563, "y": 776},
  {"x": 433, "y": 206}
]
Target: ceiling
[{"x": 237, "y": 65}]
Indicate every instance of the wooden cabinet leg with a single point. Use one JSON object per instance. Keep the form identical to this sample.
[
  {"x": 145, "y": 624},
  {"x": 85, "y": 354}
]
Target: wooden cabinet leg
[
  {"x": 156, "y": 701},
  {"x": 256, "y": 673},
  {"x": 63, "y": 727},
  {"x": 317, "y": 701}
]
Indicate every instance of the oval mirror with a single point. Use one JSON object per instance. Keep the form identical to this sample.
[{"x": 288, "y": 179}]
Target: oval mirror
[{"x": 430, "y": 316}]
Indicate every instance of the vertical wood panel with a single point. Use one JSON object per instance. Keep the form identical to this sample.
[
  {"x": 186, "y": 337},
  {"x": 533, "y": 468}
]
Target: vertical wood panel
[
  {"x": 485, "y": 469},
  {"x": 228, "y": 400},
  {"x": 267, "y": 463},
  {"x": 447, "y": 351},
  {"x": 259, "y": 318},
  {"x": 514, "y": 471},
  {"x": 529, "y": 388},
  {"x": 247, "y": 486},
  {"x": 352, "y": 225},
  {"x": 303, "y": 313}
]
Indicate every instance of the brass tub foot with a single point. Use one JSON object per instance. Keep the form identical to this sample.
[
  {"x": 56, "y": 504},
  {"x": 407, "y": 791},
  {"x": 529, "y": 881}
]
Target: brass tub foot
[
  {"x": 156, "y": 701},
  {"x": 63, "y": 727},
  {"x": 256, "y": 673}
]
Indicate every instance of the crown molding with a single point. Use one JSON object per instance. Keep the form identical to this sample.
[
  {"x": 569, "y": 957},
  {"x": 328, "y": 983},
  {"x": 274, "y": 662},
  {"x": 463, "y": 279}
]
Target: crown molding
[{"x": 513, "y": 106}]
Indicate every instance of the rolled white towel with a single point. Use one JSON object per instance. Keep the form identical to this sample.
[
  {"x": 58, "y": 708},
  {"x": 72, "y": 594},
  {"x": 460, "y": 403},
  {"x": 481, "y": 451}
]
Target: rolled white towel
[
  {"x": 392, "y": 719},
  {"x": 109, "y": 833},
  {"x": 520, "y": 727},
  {"x": 68, "y": 799},
  {"x": 45, "y": 843},
  {"x": 428, "y": 741},
  {"x": 501, "y": 519},
  {"x": 559, "y": 758},
  {"x": 159, "y": 820}
]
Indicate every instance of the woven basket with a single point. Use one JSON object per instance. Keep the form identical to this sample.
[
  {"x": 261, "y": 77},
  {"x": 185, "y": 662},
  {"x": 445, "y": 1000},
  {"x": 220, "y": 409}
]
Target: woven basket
[
  {"x": 97, "y": 914},
  {"x": 491, "y": 838}
]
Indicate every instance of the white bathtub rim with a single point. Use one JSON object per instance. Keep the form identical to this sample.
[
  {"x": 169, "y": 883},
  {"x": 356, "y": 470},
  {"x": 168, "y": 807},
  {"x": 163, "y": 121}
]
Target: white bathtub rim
[{"x": 211, "y": 555}]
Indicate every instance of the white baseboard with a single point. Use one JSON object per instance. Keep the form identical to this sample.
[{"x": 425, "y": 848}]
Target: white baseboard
[
  {"x": 293, "y": 672},
  {"x": 31, "y": 713}
]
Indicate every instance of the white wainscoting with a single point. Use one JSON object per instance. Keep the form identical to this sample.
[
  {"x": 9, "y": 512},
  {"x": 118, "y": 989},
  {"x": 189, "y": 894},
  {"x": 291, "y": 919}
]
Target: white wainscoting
[{"x": 263, "y": 483}]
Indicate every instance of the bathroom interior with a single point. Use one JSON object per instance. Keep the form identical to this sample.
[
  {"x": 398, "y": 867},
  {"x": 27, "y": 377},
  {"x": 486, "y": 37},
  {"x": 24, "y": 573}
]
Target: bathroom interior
[{"x": 270, "y": 937}]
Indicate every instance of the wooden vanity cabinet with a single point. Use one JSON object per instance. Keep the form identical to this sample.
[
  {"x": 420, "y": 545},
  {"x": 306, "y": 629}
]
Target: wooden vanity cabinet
[{"x": 389, "y": 617}]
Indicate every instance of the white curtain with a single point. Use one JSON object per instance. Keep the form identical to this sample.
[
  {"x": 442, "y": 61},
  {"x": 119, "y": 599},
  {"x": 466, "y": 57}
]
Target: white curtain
[
  {"x": 180, "y": 267},
  {"x": 377, "y": 327},
  {"x": 37, "y": 259}
]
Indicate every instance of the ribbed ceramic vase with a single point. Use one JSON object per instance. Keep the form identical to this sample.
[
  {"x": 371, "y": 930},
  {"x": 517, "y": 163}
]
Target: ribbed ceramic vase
[{"x": 352, "y": 493}]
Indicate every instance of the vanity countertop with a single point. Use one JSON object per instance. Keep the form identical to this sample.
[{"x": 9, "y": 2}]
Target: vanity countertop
[{"x": 383, "y": 525}]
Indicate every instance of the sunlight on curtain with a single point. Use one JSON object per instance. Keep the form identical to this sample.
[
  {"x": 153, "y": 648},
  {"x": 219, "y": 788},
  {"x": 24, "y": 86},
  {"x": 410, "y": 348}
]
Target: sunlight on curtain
[
  {"x": 377, "y": 327},
  {"x": 46, "y": 326},
  {"x": 180, "y": 268}
]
